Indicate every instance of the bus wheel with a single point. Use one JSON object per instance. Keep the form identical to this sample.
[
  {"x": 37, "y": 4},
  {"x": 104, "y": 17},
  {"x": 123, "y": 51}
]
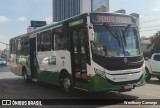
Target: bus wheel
[
  {"x": 25, "y": 76},
  {"x": 148, "y": 75},
  {"x": 66, "y": 83}
]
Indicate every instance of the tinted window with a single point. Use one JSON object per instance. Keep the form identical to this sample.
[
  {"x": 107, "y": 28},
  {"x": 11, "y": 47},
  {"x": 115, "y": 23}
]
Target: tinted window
[
  {"x": 157, "y": 57},
  {"x": 20, "y": 45},
  {"x": 12, "y": 46},
  {"x": 60, "y": 42},
  {"x": 38, "y": 42},
  {"x": 44, "y": 41},
  {"x": 59, "y": 39}
]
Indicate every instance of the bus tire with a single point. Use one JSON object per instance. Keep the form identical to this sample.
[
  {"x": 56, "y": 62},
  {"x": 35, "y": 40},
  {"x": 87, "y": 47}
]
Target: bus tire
[
  {"x": 66, "y": 83},
  {"x": 148, "y": 75},
  {"x": 25, "y": 75}
]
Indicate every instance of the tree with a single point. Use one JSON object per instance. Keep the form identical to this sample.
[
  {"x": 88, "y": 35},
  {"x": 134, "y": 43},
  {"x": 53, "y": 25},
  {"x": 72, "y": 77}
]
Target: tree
[
  {"x": 156, "y": 46},
  {"x": 155, "y": 42}
]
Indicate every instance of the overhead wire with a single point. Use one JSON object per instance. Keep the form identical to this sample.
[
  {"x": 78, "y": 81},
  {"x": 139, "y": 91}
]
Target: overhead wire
[
  {"x": 152, "y": 20},
  {"x": 150, "y": 28},
  {"x": 146, "y": 27}
]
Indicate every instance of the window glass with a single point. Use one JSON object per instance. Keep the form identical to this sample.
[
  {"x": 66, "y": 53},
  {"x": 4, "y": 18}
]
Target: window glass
[
  {"x": 82, "y": 41},
  {"x": 157, "y": 57},
  {"x": 24, "y": 48},
  {"x": 39, "y": 42},
  {"x": 44, "y": 41},
  {"x": 83, "y": 48},
  {"x": 112, "y": 42},
  {"x": 75, "y": 41},
  {"x": 53, "y": 44},
  {"x": 20, "y": 45},
  {"x": 13, "y": 46},
  {"x": 60, "y": 41}
]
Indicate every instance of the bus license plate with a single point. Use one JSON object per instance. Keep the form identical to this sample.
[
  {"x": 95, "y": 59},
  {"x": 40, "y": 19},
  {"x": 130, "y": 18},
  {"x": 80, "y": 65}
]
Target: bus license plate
[{"x": 129, "y": 86}]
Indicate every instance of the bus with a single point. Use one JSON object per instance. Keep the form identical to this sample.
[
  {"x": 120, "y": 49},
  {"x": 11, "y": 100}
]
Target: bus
[{"x": 95, "y": 52}]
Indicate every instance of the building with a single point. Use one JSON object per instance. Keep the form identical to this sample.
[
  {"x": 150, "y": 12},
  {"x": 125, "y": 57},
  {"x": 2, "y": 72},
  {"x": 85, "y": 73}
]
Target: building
[{"x": 63, "y": 9}]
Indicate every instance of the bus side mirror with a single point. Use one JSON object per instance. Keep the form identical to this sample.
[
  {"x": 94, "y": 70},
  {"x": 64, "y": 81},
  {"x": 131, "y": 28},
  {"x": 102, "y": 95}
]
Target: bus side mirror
[{"x": 91, "y": 34}]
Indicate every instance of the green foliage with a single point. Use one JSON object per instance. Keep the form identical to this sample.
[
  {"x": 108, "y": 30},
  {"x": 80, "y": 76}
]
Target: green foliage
[
  {"x": 152, "y": 41},
  {"x": 156, "y": 46},
  {"x": 155, "y": 41}
]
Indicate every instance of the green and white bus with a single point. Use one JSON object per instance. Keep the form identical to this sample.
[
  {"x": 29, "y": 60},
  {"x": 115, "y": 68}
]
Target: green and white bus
[{"x": 95, "y": 52}]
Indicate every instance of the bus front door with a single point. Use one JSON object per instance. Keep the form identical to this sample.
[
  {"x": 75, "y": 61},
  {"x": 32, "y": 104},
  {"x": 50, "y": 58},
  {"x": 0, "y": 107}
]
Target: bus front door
[{"x": 79, "y": 52}]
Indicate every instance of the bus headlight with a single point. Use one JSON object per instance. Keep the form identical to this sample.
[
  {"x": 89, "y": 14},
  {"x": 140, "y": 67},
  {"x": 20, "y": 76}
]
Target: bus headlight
[{"x": 100, "y": 73}]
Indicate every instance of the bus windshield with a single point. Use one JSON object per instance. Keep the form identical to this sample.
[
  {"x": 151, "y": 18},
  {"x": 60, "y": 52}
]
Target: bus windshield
[{"x": 116, "y": 41}]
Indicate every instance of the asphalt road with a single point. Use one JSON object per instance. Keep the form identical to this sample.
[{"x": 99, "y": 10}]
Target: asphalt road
[{"x": 13, "y": 87}]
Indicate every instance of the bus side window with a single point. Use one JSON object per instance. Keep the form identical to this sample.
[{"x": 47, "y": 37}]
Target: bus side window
[
  {"x": 84, "y": 45},
  {"x": 12, "y": 50},
  {"x": 52, "y": 40},
  {"x": 60, "y": 41},
  {"x": 44, "y": 41},
  {"x": 39, "y": 42},
  {"x": 14, "y": 47}
]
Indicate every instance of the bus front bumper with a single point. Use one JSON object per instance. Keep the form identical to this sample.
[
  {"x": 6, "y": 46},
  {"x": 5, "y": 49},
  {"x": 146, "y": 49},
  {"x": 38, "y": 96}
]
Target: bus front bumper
[{"x": 99, "y": 84}]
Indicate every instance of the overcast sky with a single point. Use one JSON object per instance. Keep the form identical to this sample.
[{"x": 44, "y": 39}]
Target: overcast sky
[{"x": 15, "y": 15}]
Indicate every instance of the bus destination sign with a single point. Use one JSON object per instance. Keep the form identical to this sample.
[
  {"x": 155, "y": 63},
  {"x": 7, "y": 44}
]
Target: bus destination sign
[{"x": 102, "y": 18}]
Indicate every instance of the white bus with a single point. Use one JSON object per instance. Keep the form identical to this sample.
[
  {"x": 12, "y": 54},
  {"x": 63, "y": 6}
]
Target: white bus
[{"x": 95, "y": 52}]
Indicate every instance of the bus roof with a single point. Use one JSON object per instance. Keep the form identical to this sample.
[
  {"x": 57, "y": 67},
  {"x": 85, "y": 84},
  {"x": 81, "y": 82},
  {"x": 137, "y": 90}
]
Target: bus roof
[{"x": 61, "y": 22}]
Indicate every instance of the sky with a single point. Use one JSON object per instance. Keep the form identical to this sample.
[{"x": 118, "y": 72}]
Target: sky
[
  {"x": 149, "y": 11},
  {"x": 15, "y": 15}
]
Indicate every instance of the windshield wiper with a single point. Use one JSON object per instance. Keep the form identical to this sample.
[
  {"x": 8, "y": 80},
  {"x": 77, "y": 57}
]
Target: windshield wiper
[
  {"x": 125, "y": 33},
  {"x": 109, "y": 28},
  {"x": 126, "y": 30}
]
